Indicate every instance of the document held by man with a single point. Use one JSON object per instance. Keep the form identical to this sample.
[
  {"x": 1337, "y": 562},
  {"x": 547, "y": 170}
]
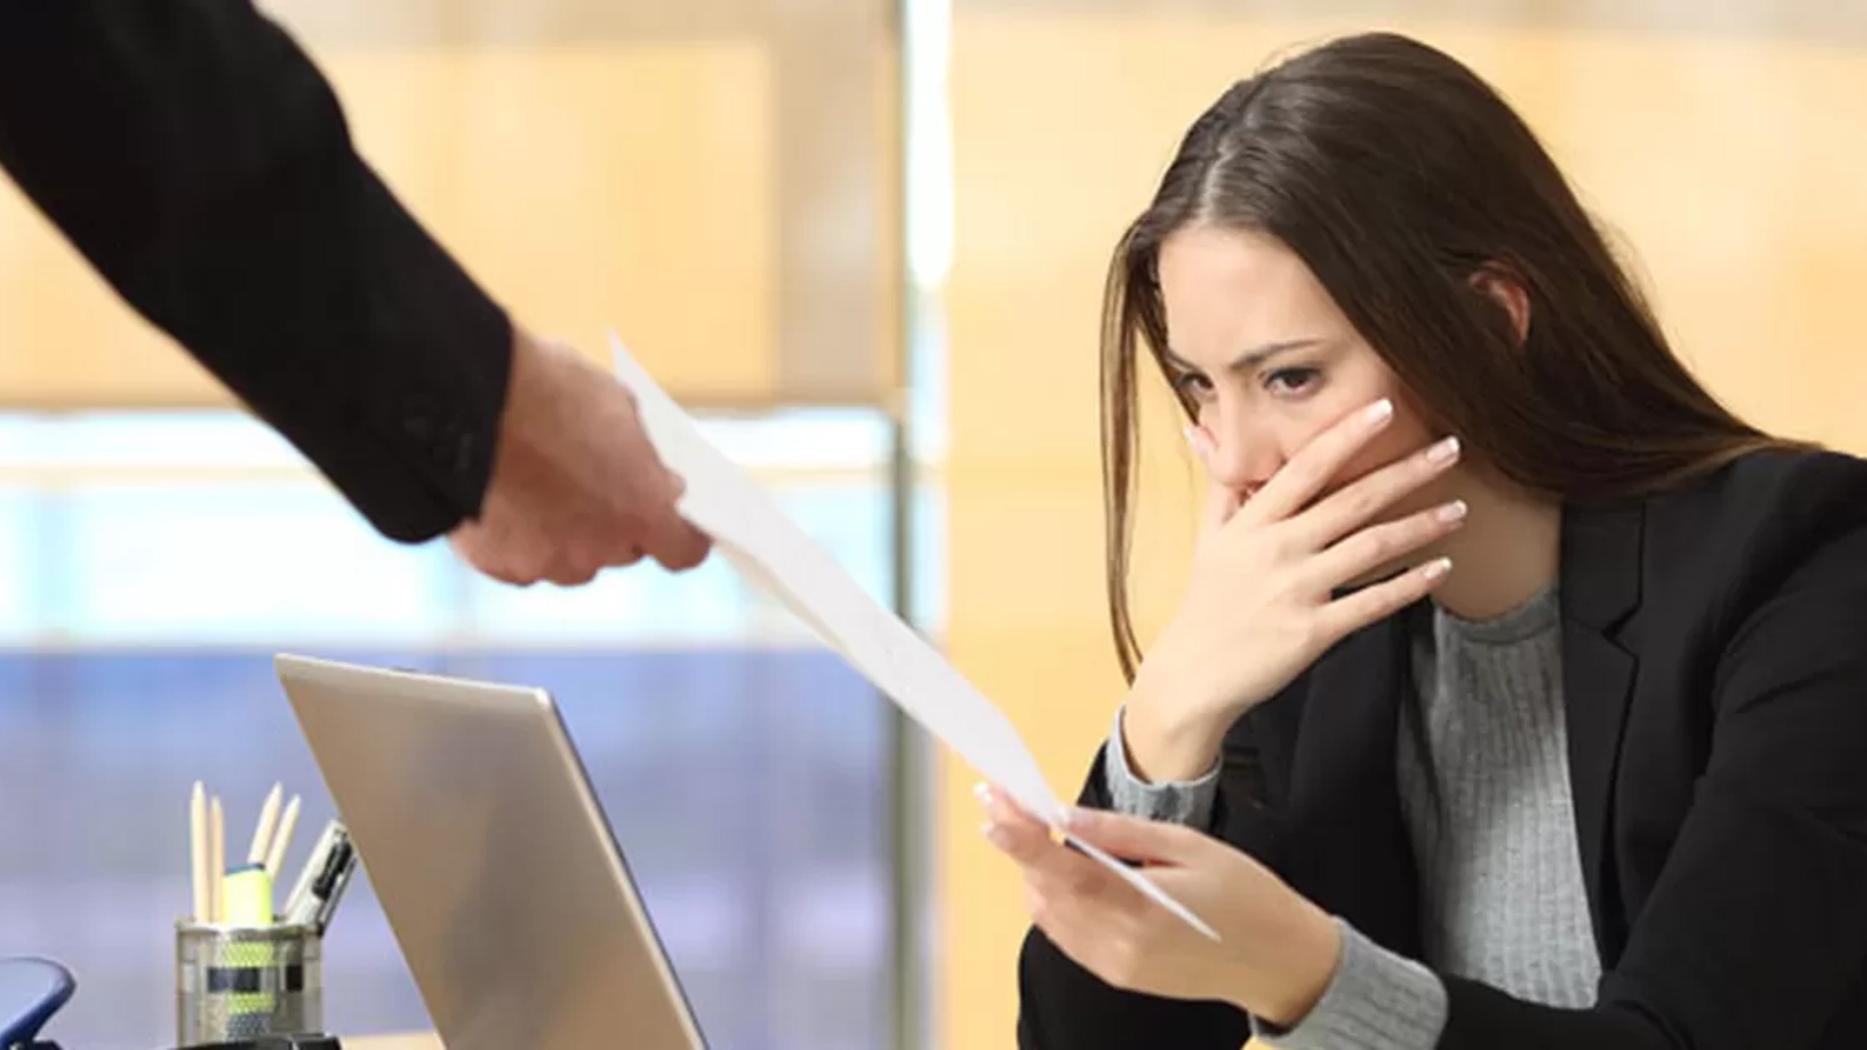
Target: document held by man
[{"x": 762, "y": 542}]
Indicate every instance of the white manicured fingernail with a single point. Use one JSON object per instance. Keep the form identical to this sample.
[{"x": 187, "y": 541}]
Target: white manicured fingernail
[
  {"x": 1196, "y": 441},
  {"x": 1444, "y": 451},
  {"x": 981, "y": 792},
  {"x": 1379, "y": 412},
  {"x": 1451, "y": 512},
  {"x": 1437, "y": 567}
]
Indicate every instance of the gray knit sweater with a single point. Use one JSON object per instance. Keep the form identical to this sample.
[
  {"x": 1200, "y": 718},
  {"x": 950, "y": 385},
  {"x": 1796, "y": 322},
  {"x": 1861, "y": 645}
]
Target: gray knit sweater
[{"x": 1482, "y": 770}]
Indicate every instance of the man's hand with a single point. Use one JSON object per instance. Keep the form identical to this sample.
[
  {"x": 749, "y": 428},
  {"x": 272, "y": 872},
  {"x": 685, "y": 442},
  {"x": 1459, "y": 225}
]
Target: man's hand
[{"x": 576, "y": 486}]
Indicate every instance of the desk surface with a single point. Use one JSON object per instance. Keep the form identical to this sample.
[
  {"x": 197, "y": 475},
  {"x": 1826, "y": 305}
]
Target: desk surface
[{"x": 406, "y": 1041}]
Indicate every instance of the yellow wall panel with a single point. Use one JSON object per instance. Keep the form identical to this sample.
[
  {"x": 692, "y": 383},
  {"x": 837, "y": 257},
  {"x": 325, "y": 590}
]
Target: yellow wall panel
[
  {"x": 623, "y": 185},
  {"x": 620, "y": 184},
  {"x": 1730, "y": 165}
]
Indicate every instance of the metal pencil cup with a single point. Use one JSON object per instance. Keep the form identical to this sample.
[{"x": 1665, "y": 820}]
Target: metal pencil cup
[{"x": 242, "y": 982}]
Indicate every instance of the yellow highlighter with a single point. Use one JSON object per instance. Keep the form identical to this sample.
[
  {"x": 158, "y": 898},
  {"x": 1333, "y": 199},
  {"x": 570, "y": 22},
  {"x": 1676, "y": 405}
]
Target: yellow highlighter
[{"x": 247, "y": 891}]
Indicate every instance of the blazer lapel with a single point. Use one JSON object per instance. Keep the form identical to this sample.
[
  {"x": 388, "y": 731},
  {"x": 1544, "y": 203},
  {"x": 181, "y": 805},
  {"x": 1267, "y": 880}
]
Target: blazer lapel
[
  {"x": 1349, "y": 849},
  {"x": 1347, "y": 844},
  {"x": 1600, "y": 588}
]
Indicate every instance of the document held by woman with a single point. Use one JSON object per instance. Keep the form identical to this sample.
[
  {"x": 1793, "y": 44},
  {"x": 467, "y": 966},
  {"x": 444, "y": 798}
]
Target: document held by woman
[{"x": 763, "y": 543}]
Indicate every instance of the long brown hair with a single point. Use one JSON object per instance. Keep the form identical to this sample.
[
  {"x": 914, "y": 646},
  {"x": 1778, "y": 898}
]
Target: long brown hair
[{"x": 1397, "y": 174}]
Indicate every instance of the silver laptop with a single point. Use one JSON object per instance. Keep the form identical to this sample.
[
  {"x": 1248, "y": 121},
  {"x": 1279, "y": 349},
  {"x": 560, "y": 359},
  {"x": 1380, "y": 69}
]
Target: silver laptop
[{"x": 493, "y": 861}]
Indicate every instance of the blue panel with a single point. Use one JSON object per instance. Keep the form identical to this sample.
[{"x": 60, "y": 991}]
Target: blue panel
[{"x": 746, "y": 786}]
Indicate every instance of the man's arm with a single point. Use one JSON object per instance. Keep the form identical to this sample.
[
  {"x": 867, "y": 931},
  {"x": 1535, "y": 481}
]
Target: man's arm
[
  {"x": 195, "y": 156},
  {"x": 201, "y": 163}
]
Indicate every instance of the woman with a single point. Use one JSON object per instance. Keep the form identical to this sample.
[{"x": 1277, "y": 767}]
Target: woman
[{"x": 1519, "y": 695}]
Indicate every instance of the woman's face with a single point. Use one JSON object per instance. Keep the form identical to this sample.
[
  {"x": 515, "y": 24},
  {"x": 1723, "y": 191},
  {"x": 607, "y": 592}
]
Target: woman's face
[{"x": 1260, "y": 347}]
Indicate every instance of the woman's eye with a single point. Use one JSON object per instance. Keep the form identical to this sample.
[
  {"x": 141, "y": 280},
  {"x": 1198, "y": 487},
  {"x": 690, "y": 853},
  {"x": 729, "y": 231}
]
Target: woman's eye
[
  {"x": 1291, "y": 380},
  {"x": 1192, "y": 384}
]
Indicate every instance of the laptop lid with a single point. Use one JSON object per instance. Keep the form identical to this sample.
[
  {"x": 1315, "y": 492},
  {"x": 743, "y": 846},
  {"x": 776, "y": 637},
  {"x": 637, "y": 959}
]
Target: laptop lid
[{"x": 493, "y": 861}]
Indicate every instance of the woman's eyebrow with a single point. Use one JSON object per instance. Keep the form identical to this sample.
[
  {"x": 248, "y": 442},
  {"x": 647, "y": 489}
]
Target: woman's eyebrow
[
  {"x": 1249, "y": 359},
  {"x": 1254, "y": 357}
]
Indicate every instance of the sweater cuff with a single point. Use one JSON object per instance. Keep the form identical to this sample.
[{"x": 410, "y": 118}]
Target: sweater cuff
[
  {"x": 1187, "y": 802},
  {"x": 1376, "y": 1000}
]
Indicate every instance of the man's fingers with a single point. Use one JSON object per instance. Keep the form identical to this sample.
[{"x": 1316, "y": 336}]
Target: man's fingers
[
  {"x": 471, "y": 542},
  {"x": 675, "y": 543},
  {"x": 573, "y": 573},
  {"x": 666, "y": 536}
]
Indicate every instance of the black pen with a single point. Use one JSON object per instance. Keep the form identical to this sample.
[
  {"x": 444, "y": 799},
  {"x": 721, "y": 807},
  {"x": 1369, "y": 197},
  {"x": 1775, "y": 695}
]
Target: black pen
[
  {"x": 329, "y": 889},
  {"x": 326, "y": 873}
]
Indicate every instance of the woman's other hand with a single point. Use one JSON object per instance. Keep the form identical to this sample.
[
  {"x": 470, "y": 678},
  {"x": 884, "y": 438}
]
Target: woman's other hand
[{"x": 1276, "y": 952}]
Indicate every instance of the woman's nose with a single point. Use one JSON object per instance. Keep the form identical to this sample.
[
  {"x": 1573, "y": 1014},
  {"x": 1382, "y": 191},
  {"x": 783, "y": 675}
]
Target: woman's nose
[{"x": 1243, "y": 461}]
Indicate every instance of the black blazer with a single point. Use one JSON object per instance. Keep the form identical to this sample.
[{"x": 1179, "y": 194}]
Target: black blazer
[
  {"x": 195, "y": 156},
  {"x": 1714, "y": 650}
]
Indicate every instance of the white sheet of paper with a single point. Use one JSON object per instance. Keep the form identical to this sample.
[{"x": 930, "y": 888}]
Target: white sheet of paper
[{"x": 762, "y": 542}]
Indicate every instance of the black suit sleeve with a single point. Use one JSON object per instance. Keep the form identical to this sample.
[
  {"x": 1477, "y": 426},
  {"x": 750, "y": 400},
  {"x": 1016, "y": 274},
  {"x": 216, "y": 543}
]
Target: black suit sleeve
[{"x": 195, "y": 156}]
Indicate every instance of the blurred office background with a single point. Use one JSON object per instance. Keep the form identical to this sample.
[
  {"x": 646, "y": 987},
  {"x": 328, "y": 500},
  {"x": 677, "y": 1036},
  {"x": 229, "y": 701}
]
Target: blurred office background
[{"x": 866, "y": 240}]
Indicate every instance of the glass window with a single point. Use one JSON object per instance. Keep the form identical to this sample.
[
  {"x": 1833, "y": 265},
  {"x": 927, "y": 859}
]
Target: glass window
[{"x": 151, "y": 563}]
